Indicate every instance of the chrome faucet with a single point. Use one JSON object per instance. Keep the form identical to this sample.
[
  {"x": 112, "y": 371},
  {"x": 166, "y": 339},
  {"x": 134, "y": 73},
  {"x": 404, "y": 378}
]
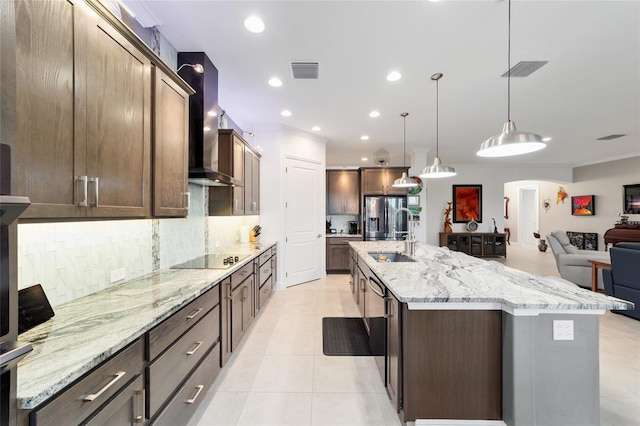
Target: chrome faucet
[{"x": 410, "y": 242}]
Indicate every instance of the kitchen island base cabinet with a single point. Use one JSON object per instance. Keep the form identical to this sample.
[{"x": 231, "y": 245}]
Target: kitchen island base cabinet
[
  {"x": 127, "y": 408},
  {"x": 452, "y": 364}
]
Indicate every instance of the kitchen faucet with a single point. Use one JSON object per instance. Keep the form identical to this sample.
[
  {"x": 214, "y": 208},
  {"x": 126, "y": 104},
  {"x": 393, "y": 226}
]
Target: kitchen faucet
[{"x": 410, "y": 242}]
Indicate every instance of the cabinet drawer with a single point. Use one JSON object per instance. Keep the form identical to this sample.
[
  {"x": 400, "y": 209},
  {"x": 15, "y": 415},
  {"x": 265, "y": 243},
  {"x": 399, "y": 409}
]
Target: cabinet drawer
[
  {"x": 241, "y": 274},
  {"x": 127, "y": 408},
  {"x": 89, "y": 393},
  {"x": 265, "y": 292},
  {"x": 187, "y": 399},
  {"x": 265, "y": 272},
  {"x": 165, "y": 333},
  {"x": 170, "y": 369},
  {"x": 264, "y": 257}
]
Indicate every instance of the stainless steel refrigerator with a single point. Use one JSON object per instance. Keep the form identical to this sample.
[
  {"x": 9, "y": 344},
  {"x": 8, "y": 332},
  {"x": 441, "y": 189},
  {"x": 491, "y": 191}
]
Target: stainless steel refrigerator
[{"x": 379, "y": 215}]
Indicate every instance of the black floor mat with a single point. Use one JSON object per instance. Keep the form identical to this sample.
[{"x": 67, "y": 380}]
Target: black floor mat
[{"x": 344, "y": 337}]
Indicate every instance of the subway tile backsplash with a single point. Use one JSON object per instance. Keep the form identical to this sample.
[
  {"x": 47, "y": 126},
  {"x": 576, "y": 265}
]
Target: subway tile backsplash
[{"x": 74, "y": 259}]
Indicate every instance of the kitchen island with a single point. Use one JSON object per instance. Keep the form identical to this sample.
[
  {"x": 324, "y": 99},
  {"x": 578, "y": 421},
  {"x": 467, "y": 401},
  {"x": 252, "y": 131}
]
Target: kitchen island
[{"x": 472, "y": 340}]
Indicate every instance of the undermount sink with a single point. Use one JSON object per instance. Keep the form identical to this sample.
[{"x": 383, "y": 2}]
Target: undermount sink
[{"x": 390, "y": 257}]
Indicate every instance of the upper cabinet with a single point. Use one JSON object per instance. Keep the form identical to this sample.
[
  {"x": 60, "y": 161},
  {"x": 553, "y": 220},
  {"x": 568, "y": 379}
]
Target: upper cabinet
[
  {"x": 378, "y": 180},
  {"x": 170, "y": 148},
  {"x": 237, "y": 159},
  {"x": 343, "y": 192},
  {"x": 84, "y": 109}
]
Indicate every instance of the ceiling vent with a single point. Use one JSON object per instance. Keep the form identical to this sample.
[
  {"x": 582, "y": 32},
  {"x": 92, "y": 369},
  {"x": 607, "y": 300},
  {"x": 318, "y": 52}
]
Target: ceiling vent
[
  {"x": 610, "y": 137},
  {"x": 524, "y": 68},
  {"x": 304, "y": 70}
]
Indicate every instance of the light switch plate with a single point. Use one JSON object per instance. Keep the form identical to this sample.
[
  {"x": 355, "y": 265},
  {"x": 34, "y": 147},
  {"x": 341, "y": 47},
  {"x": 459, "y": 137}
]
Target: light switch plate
[{"x": 562, "y": 329}]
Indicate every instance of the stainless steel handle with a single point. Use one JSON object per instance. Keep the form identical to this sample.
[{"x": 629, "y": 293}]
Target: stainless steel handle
[
  {"x": 235, "y": 204},
  {"x": 140, "y": 418},
  {"x": 242, "y": 293},
  {"x": 387, "y": 307},
  {"x": 83, "y": 179},
  {"x": 254, "y": 206},
  {"x": 363, "y": 287},
  {"x": 196, "y": 312},
  {"x": 193, "y": 399},
  {"x": 188, "y": 196},
  {"x": 96, "y": 182},
  {"x": 229, "y": 297},
  {"x": 379, "y": 293},
  {"x": 93, "y": 396},
  {"x": 193, "y": 351}
]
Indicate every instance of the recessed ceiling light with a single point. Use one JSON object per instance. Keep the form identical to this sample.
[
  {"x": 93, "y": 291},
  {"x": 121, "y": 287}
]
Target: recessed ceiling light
[
  {"x": 316, "y": 128},
  {"x": 364, "y": 159},
  {"x": 206, "y": 128},
  {"x": 364, "y": 137},
  {"x": 212, "y": 113},
  {"x": 374, "y": 114},
  {"x": 254, "y": 24},
  {"x": 285, "y": 113},
  {"x": 547, "y": 139},
  {"x": 394, "y": 76},
  {"x": 275, "y": 82}
]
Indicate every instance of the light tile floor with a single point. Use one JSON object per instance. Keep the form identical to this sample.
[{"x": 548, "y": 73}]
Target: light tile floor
[{"x": 279, "y": 375}]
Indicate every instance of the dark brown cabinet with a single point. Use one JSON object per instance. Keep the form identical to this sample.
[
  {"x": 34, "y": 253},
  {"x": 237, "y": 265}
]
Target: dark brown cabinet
[
  {"x": 478, "y": 244},
  {"x": 126, "y": 409},
  {"x": 170, "y": 147},
  {"x": 394, "y": 351},
  {"x": 251, "y": 181},
  {"x": 225, "y": 321},
  {"x": 84, "y": 109},
  {"x": 343, "y": 192},
  {"x": 378, "y": 180},
  {"x": 338, "y": 253},
  {"x": 242, "y": 303}
]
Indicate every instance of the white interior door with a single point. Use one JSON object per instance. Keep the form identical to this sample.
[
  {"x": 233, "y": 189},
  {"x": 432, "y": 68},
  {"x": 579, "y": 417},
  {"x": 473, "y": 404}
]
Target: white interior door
[
  {"x": 528, "y": 215},
  {"x": 304, "y": 228}
]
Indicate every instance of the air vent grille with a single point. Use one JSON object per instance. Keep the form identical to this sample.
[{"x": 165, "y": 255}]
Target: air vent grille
[
  {"x": 610, "y": 137},
  {"x": 304, "y": 70},
  {"x": 524, "y": 68}
]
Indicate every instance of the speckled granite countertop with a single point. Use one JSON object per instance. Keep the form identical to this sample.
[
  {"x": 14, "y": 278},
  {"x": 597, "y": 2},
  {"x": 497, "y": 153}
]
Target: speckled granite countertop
[
  {"x": 85, "y": 332},
  {"x": 440, "y": 275}
]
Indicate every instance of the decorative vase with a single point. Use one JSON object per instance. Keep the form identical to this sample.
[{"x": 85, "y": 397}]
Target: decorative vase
[{"x": 542, "y": 245}]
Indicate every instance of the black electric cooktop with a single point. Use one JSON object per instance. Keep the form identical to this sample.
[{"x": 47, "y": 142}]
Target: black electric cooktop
[{"x": 212, "y": 261}]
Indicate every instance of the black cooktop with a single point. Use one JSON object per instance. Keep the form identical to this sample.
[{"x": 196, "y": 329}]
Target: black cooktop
[{"x": 212, "y": 261}]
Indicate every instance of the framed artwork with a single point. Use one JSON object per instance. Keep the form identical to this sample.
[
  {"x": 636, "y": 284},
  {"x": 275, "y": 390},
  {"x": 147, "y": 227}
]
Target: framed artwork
[
  {"x": 467, "y": 203},
  {"x": 582, "y": 205}
]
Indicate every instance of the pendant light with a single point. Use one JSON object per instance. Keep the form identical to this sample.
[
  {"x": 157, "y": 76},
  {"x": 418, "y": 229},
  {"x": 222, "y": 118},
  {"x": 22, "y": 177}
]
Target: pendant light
[
  {"x": 404, "y": 181},
  {"x": 510, "y": 141},
  {"x": 437, "y": 170}
]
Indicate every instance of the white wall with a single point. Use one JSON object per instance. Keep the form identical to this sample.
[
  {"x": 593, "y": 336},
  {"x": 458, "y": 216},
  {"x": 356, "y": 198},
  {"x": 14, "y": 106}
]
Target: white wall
[
  {"x": 604, "y": 180},
  {"x": 492, "y": 179},
  {"x": 278, "y": 143}
]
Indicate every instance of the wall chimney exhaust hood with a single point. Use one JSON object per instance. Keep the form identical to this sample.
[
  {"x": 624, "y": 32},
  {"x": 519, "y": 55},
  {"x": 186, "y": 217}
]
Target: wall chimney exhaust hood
[{"x": 203, "y": 127}]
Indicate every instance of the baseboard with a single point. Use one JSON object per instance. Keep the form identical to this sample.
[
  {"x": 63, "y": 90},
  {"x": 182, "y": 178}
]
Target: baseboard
[{"x": 439, "y": 422}]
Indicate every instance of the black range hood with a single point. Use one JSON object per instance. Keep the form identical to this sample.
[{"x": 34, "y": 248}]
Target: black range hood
[{"x": 203, "y": 128}]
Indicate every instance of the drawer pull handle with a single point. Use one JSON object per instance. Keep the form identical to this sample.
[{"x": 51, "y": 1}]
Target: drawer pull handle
[
  {"x": 193, "y": 315},
  {"x": 192, "y": 400},
  {"x": 193, "y": 351},
  {"x": 140, "y": 418},
  {"x": 83, "y": 179},
  {"x": 93, "y": 396}
]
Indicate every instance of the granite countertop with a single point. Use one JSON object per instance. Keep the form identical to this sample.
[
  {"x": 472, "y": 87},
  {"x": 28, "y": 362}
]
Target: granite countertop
[
  {"x": 343, "y": 235},
  {"x": 86, "y": 331},
  {"x": 440, "y": 275}
]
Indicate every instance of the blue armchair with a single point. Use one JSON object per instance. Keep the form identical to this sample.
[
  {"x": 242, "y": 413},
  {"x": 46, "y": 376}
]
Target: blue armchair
[{"x": 623, "y": 279}]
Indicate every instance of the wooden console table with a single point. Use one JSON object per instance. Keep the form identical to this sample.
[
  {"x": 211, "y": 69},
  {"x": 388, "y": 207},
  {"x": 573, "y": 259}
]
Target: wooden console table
[
  {"x": 595, "y": 265},
  {"x": 622, "y": 232},
  {"x": 478, "y": 244}
]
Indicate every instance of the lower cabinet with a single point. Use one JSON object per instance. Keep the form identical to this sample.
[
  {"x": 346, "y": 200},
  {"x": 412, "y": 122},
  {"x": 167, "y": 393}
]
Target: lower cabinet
[
  {"x": 338, "y": 253},
  {"x": 127, "y": 408},
  {"x": 104, "y": 390},
  {"x": 394, "y": 352},
  {"x": 225, "y": 321},
  {"x": 242, "y": 303}
]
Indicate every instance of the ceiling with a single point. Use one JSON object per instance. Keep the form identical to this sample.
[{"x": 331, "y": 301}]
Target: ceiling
[{"x": 589, "y": 88}]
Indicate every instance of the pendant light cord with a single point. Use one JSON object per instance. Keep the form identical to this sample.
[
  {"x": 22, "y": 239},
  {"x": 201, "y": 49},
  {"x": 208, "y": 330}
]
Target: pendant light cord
[
  {"x": 509, "y": 65},
  {"x": 437, "y": 117},
  {"x": 404, "y": 138}
]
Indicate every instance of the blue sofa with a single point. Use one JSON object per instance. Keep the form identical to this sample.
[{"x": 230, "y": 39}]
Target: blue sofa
[{"x": 623, "y": 279}]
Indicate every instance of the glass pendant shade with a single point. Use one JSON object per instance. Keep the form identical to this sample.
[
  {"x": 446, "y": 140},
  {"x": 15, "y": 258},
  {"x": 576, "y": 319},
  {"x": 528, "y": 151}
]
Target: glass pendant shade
[
  {"x": 511, "y": 142},
  {"x": 438, "y": 170},
  {"x": 404, "y": 181}
]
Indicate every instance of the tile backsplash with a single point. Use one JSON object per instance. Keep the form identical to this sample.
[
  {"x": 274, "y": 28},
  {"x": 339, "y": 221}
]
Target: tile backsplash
[{"x": 74, "y": 259}]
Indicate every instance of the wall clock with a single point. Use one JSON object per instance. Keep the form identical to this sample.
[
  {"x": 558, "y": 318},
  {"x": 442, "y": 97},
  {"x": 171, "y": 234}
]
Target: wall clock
[{"x": 472, "y": 226}]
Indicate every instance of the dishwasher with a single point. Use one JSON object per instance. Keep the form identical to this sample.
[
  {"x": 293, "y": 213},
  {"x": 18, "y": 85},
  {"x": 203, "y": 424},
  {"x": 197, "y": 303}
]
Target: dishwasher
[{"x": 375, "y": 316}]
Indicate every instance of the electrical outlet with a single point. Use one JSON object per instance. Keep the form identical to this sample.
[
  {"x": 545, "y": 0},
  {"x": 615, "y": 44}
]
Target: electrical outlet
[
  {"x": 563, "y": 330},
  {"x": 117, "y": 275}
]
